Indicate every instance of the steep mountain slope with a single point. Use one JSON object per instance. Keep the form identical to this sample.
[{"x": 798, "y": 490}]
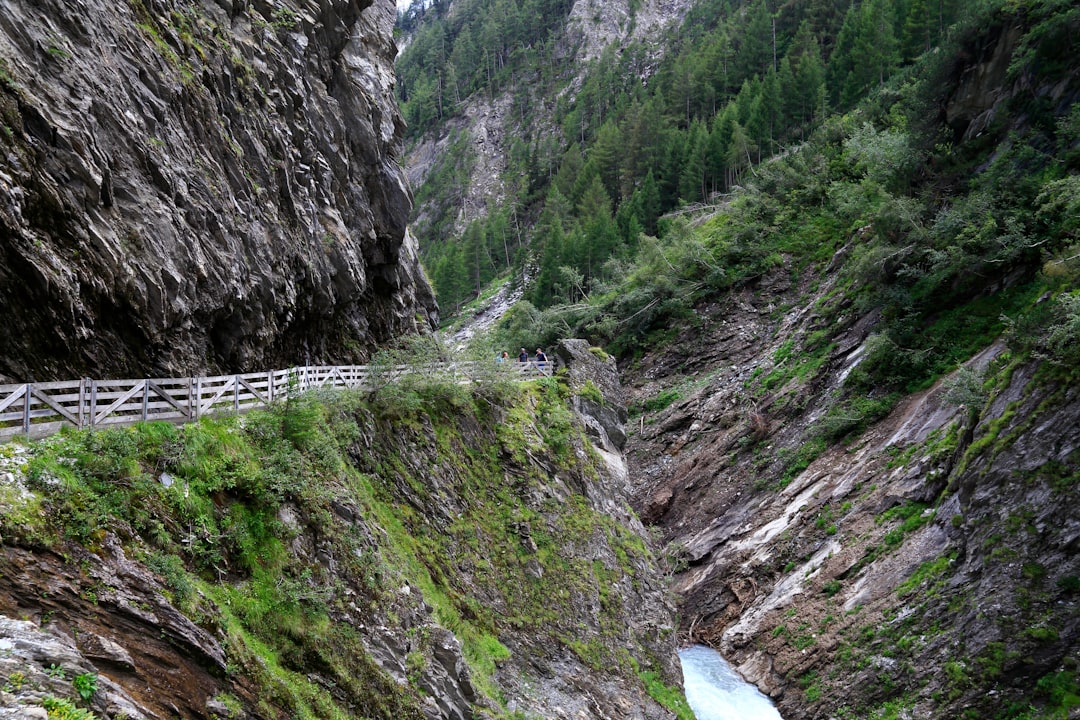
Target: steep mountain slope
[
  {"x": 930, "y": 561},
  {"x": 190, "y": 186},
  {"x": 426, "y": 551},
  {"x": 467, "y": 163},
  {"x": 864, "y": 455},
  {"x": 488, "y": 123}
]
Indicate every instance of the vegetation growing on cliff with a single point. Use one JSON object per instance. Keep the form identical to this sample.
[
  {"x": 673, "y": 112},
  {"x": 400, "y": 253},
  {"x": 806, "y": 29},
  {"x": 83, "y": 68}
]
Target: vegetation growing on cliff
[
  {"x": 288, "y": 531},
  {"x": 951, "y": 225},
  {"x": 638, "y": 135}
]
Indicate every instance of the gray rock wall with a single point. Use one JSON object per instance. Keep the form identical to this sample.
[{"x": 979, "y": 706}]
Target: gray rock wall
[{"x": 192, "y": 186}]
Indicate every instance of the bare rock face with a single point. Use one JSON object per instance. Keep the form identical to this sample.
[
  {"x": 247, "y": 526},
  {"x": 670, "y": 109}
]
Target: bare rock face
[
  {"x": 103, "y": 617},
  {"x": 202, "y": 185},
  {"x": 600, "y": 400},
  {"x": 595, "y": 24}
]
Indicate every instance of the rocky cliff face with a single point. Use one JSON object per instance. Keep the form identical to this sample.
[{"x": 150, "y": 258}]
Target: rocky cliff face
[
  {"x": 594, "y": 25},
  {"x": 426, "y": 552},
  {"x": 880, "y": 552},
  {"x": 934, "y": 556},
  {"x": 190, "y": 186}
]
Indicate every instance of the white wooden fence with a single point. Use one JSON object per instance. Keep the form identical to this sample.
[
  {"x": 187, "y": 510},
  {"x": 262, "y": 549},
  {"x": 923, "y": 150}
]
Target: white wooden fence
[{"x": 41, "y": 409}]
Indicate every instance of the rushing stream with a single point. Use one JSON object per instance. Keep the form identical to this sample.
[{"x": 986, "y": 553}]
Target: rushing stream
[{"x": 716, "y": 692}]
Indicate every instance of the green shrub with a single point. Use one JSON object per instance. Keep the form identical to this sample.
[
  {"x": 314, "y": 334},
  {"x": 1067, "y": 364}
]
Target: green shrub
[
  {"x": 854, "y": 415},
  {"x": 591, "y": 392},
  {"x": 661, "y": 400},
  {"x": 1069, "y": 583},
  {"x": 1061, "y": 689},
  {"x": 1042, "y": 633},
  {"x": 670, "y": 697},
  {"x": 930, "y": 574},
  {"x": 797, "y": 461},
  {"x": 85, "y": 685},
  {"x": 61, "y": 709}
]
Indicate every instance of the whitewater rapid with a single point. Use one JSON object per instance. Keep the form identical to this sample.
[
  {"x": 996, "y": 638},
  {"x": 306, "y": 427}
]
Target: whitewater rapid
[{"x": 716, "y": 692}]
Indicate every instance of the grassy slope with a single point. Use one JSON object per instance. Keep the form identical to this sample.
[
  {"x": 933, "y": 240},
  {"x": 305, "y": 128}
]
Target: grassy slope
[{"x": 457, "y": 493}]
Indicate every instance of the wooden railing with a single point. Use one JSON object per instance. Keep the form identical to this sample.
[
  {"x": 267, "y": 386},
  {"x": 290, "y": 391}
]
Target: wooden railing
[{"x": 40, "y": 409}]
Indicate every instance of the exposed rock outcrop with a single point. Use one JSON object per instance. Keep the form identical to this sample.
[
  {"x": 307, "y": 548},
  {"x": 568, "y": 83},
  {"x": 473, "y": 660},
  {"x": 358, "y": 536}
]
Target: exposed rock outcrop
[
  {"x": 593, "y": 25},
  {"x": 193, "y": 186},
  {"x": 943, "y": 536}
]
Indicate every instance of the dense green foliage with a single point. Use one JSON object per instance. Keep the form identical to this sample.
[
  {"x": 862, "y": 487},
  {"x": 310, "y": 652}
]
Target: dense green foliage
[
  {"x": 738, "y": 83},
  {"x": 480, "y": 47},
  {"x": 952, "y": 239}
]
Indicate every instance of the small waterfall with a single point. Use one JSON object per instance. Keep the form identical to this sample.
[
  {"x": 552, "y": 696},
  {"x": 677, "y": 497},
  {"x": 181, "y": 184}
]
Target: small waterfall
[{"x": 716, "y": 692}]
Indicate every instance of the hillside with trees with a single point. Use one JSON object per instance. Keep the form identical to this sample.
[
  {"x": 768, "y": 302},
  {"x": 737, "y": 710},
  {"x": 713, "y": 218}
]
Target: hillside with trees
[
  {"x": 835, "y": 249},
  {"x": 601, "y": 153}
]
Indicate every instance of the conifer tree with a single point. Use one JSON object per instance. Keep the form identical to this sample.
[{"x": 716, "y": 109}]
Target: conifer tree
[
  {"x": 756, "y": 46},
  {"x": 550, "y": 239},
  {"x": 810, "y": 85},
  {"x": 866, "y": 51},
  {"x": 692, "y": 179},
  {"x": 841, "y": 62},
  {"x": 649, "y": 193},
  {"x": 718, "y": 55},
  {"x": 772, "y": 111},
  {"x": 643, "y": 143},
  {"x": 801, "y": 96},
  {"x": 605, "y": 155},
  {"x": 674, "y": 156},
  {"x": 790, "y": 95},
  {"x": 738, "y": 153},
  {"x": 720, "y": 140},
  {"x": 598, "y": 236},
  {"x": 569, "y": 169},
  {"x": 918, "y": 29}
]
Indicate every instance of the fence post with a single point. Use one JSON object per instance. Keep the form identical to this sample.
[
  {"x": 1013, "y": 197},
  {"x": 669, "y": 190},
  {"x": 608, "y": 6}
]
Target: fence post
[
  {"x": 93, "y": 403},
  {"x": 145, "y": 399},
  {"x": 236, "y": 395},
  {"x": 82, "y": 402},
  {"x": 26, "y": 407},
  {"x": 198, "y": 398},
  {"x": 270, "y": 387}
]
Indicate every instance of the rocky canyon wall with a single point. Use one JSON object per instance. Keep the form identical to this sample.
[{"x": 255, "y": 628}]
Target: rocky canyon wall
[{"x": 193, "y": 186}]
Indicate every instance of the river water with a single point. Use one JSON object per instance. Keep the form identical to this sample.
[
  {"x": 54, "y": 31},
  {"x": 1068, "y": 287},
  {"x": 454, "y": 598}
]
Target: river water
[{"x": 716, "y": 692}]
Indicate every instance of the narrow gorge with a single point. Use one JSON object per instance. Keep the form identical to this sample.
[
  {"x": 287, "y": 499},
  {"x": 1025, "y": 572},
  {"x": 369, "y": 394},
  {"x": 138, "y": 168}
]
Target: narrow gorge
[
  {"x": 425, "y": 550},
  {"x": 822, "y": 259}
]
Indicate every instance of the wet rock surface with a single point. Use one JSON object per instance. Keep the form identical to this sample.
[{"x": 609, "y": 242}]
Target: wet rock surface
[
  {"x": 63, "y": 617},
  {"x": 200, "y": 186}
]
